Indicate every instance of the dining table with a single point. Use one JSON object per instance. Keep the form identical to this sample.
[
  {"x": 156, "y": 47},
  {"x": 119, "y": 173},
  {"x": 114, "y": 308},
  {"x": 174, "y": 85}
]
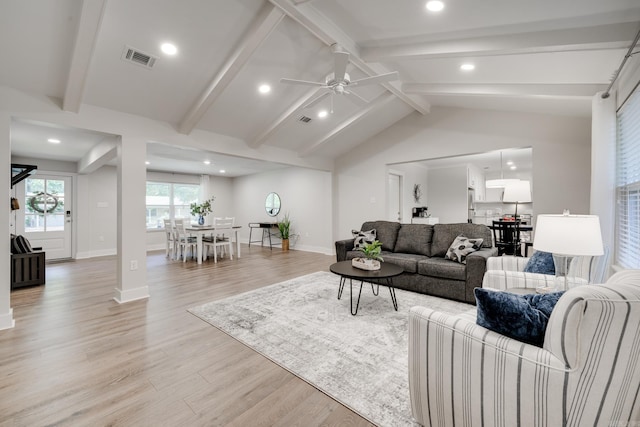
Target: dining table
[{"x": 201, "y": 230}]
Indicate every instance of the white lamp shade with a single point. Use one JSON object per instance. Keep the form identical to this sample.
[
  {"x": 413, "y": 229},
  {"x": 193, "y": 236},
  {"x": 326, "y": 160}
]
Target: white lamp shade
[
  {"x": 577, "y": 235},
  {"x": 518, "y": 191}
]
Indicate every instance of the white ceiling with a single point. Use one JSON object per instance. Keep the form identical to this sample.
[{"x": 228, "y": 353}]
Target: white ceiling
[{"x": 546, "y": 56}]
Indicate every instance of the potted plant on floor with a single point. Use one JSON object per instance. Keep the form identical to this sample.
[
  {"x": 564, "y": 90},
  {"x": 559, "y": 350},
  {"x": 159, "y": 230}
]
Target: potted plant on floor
[
  {"x": 372, "y": 258},
  {"x": 284, "y": 226},
  {"x": 202, "y": 209}
]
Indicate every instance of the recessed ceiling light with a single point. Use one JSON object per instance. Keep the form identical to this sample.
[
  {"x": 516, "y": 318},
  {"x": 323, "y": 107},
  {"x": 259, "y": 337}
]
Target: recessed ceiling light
[
  {"x": 207, "y": 162},
  {"x": 322, "y": 114},
  {"x": 264, "y": 88},
  {"x": 509, "y": 162},
  {"x": 467, "y": 67},
  {"x": 223, "y": 171},
  {"x": 169, "y": 49},
  {"x": 513, "y": 168},
  {"x": 54, "y": 140},
  {"x": 147, "y": 163},
  {"x": 435, "y": 5}
]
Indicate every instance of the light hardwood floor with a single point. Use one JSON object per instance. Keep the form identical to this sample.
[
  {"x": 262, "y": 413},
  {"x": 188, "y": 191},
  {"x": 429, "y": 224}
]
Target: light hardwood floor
[{"x": 76, "y": 357}]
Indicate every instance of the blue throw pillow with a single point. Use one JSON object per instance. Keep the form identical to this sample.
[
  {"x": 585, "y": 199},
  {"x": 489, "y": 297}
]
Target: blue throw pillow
[
  {"x": 540, "y": 262},
  {"x": 521, "y": 317}
]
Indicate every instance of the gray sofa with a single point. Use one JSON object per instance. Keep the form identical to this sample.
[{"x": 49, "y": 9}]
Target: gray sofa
[{"x": 420, "y": 249}]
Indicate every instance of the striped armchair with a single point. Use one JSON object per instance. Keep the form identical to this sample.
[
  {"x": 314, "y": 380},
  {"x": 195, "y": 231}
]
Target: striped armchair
[
  {"x": 507, "y": 272},
  {"x": 587, "y": 372}
]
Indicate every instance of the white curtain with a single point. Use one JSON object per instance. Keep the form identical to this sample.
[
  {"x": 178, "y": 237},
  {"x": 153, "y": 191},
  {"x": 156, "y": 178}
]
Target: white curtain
[{"x": 603, "y": 165}]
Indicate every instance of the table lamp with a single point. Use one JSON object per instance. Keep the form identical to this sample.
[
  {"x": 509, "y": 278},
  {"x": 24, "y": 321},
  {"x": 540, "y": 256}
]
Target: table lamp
[
  {"x": 517, "y": 192},
  {"x": 567, "y": 236}
]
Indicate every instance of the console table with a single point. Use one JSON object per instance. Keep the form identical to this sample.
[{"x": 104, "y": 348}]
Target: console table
[{"x": 266, "y": 231}]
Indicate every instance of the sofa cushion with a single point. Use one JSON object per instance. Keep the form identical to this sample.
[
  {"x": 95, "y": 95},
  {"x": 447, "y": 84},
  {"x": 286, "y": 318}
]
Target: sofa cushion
[
  {"x": 362, "y": 238},
  {"x": 445, "y": 234},
  {"x": 443, "y": 268},
  {"x": 521, "y": 317},
  {"x": 408, "y": 262},
  {"x": 461, "y": 247},
  {"x": 387, "y": 232},
  {"x": 414, "y": 239}
]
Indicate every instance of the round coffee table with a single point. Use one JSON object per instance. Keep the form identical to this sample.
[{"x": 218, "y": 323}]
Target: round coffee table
[{"x": 385, "y": 275}]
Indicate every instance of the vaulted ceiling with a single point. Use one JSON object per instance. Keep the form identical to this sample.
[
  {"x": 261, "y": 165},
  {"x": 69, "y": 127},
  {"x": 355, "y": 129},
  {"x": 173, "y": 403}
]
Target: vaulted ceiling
[{"x": 539, "y": 56}]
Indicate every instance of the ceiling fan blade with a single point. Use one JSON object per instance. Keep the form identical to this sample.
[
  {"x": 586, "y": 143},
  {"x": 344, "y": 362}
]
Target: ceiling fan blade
[
  {"x": 317, "y": 100},
  {"x": 358, "y": 98},
  {"x": 341, "y": 59},
  {"x": 301, "y": 82},
  {"x": 376, "y": 79}
]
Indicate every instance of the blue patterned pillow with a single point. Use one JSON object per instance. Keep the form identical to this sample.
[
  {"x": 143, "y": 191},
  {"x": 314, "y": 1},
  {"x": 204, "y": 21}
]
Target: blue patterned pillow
[
  {"x": 540, "y": 262},
  {"x": 521, "y": 317}
]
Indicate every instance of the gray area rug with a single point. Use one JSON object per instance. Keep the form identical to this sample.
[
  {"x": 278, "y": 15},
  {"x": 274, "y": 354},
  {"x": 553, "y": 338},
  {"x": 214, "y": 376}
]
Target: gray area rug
[{"x": 361, "y": 360}]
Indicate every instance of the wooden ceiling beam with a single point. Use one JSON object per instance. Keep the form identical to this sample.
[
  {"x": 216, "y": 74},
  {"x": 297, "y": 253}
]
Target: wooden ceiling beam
[{"x": 267, "y": 21}]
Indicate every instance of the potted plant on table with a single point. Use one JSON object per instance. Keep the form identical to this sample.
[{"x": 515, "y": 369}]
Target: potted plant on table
[
  {"x": 284, "y": 226},
  {"x": 202, "y": 209},
  {"x": 372, "y": 258}
]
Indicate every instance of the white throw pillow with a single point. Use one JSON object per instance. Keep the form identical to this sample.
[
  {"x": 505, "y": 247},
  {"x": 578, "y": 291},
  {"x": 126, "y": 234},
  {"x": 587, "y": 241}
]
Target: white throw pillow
[
  {"x": 361, "y": 238},
  {"x": 461, "y": 247}
]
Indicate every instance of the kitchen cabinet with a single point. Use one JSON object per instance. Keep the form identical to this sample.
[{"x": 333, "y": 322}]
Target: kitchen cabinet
[
  {"x": 425, "y": 220},
  {"x": 475, "y": 180}
]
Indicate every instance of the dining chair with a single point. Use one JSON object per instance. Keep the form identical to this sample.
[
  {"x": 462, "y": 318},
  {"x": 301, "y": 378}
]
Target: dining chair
[
  {"x": 184, "y": 241},
  {"x": 506, "y": 237},
  {"x": 170, "y": 239},
  {"x": 218, "y": 239}
]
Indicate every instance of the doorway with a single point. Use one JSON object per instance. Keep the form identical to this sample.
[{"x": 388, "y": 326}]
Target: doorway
[
  {"x": 45, "y": 219},
  {"x": 394, "y": 191}
]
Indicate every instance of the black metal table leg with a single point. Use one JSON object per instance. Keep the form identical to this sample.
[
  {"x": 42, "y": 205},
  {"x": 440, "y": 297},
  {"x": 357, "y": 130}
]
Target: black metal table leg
[
  {"x": 392, "y": 291},
  {"x": 351, "y": 294},
  {"x": 376, "y": 290},
  {"x": 341, "y": 288}
]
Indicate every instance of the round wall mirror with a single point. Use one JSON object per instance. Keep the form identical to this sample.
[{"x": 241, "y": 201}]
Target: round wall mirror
[{"x": 272, "y": 204}]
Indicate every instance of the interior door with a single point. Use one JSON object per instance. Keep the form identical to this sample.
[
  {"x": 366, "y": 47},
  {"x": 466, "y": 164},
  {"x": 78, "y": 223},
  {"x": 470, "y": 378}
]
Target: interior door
[
  {"x": 394, "y": 200},
  {"x": 46, "y": 214}
]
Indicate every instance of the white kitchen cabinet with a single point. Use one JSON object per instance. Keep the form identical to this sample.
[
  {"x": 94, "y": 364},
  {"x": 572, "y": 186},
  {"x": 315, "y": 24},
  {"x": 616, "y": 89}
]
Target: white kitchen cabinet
[
  {"x": 421, "y": 220},
  {"x": 475, "y": 180}
]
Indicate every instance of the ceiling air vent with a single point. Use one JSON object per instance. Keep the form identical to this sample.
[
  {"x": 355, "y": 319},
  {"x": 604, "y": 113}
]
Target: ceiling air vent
[
  {"x": 136, "y": 56},
  {"x": 304, "y": 119}
]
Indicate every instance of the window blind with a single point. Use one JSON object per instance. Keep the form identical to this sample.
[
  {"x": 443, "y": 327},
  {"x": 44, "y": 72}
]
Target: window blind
[{"x": 628, "y": 184}]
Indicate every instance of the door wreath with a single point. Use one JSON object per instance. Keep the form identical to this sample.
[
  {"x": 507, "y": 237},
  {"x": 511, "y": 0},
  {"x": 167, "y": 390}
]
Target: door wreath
[{"x": 44, "y": 199}]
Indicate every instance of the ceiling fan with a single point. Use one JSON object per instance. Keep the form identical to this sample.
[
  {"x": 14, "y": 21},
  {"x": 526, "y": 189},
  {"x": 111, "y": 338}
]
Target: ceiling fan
[{"x": 339, "y": 82}]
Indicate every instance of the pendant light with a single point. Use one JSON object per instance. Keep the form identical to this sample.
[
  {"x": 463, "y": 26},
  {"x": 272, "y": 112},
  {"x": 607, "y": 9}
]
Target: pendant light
[{"x": 502, "y": 182}]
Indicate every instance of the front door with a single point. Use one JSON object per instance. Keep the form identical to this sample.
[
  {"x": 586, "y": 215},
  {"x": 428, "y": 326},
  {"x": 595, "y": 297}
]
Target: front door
[{"x": 47, "y": 214}]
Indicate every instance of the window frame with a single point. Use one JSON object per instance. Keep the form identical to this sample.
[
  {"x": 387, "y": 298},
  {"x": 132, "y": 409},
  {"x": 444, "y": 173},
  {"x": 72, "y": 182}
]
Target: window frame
[{"x": 172, "y": 203}]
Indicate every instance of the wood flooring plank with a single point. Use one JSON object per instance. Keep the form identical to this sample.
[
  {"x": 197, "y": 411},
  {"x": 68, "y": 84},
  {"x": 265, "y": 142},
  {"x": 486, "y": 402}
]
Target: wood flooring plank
[{"x": 76, "y": 357}]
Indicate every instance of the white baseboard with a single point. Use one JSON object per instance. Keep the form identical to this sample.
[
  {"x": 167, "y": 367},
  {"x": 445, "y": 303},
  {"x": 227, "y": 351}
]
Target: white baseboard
[
  {"x": 7, "y": 321},
  {"x": 94, "y": 254},
  {"x": 128, "y": 295}
]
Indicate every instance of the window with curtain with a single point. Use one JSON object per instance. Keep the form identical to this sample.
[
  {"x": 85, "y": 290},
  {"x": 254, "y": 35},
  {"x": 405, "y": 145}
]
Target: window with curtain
[
  {"x": 169, "y": 201},
  {"x": 628, "y": 184}
]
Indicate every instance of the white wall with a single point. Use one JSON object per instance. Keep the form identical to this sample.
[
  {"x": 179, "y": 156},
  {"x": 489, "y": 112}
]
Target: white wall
[
  {"x": 448, "y": 194},
  {"x": 412, "y": 173},
  {"x": 305, "y": 195},
  {"x": 561, "y": 157}
]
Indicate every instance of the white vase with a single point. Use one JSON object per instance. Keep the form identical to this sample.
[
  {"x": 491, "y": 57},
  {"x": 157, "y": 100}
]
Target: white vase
[{"x": 365, "y": 263}]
